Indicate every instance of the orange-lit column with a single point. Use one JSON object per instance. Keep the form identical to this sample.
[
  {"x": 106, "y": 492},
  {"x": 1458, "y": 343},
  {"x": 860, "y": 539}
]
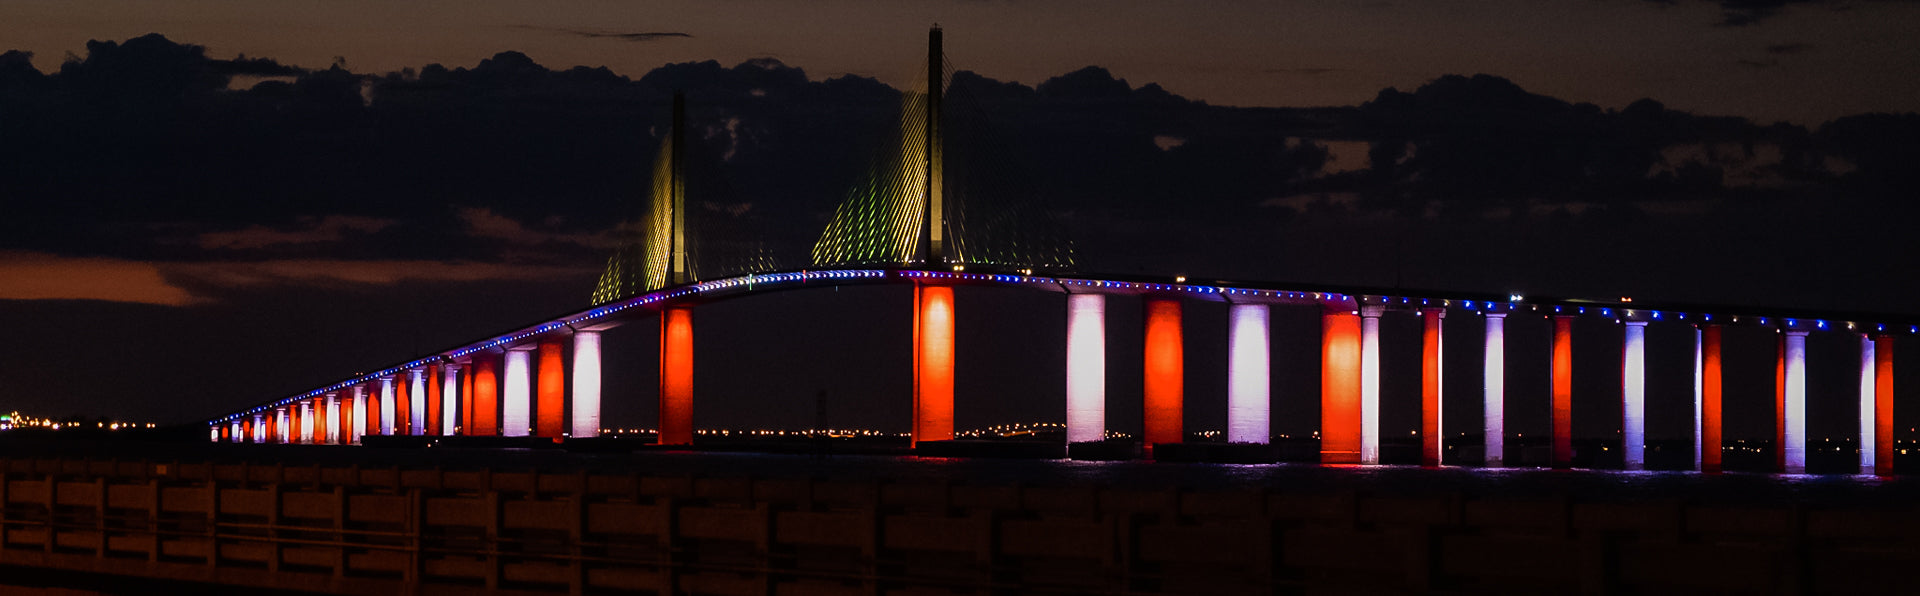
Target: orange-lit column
[
  {"x": 676, "y": 376},
  {"x": 1562, "y": 391},
  {"x": 932, "y": 363},
  {"x": 465, "y": 425},
  {"x": 319, "y": 405},
  {"x": 486, "y": 397},
  {"x": 346, "y": 432},
  {"x": 246, "y": 430},
  {"x": 402, "y": 423},
  {"x": 1780, "y": 403},
  {"x": 1431, "y": 435},
  {"x": 430, "y": 416},
  {"x": 1711, "y": 393},
  {"x": 1164, "y": 389},
  {"x": 551, "y": 394},
  {"x": 1340, "y": 387},
  {"x": 1883, "y": 404}
]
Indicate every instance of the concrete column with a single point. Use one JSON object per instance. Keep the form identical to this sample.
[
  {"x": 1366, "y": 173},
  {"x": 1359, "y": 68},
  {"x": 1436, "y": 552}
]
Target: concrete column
[
  {"x": 259, "y": 429},
  {"x": 1494, "y": 401},
  {"x": 1340, "y": 387},
  {"x": 1633, "y": 395},
  {"x": 1796, "y": 408},
  {"x": 486, "y": 397},
  {"x": 1711, "y": 439},
  {"x": 676, "y": 377},
  {"x": 1086, "y": 368},
  {"x": 431, "y": 406},
  {"x": 359, "y": 413},
  {"x": 282, "y": 427},
  {"x": 416, "y": 402},
  {"x": 1883, "y": 404},
  {"x": 586, "y": 384},
  {"x": 333, "y": 419},
  {"x": 933, "y": 362},
  {"x": 388, "y": 409},
  {"x": 1562, "y": 391},
  {"x": 1869, "y": 446},
  {"x": 1163, "y": 391},
  {"x": 516, "y": 403},
  {"x": 551, "y": 391},
  {"x": 1249, "y": 378},
  {"x": 1699, "y": 397},
  {"x": 1370, "y": 383},
  {"x": 449, "y": 399},
  {"x": 306, "y": 422},
  {"x": 1432, "y": 397}
]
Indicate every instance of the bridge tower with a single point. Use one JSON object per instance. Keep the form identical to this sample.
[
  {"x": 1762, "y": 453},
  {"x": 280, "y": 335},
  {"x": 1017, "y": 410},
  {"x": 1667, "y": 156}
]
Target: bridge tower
[{"x": 936, "y": 217}]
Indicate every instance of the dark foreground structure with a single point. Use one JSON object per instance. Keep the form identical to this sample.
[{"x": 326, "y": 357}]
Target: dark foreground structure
[{"x": 743, "y": 524}]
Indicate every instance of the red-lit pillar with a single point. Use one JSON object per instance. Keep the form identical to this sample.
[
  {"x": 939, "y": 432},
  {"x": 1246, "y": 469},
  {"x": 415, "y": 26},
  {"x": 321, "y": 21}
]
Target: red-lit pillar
[
  {"x": 1711, "y": 393},
  {"x": 1340, "y": 387},
  {"x": 1883, "y": 404},
  {"x": 348, "y": 406},
  {"x": 676, "y": 376},
  {"x": 246, "y": 430},
  {"x": 1431, "y": 354},
  {"x": 320, "y": 427},
  {"x": 1780, "y": 403},
  {"x": 486, "y": 397},
  {"x": 551, "y": 394},
  {"x": 1562, "y": 391},
  {"x": 403, "y": 405},
  {"x": 1164, "y": 388},
  {"x": 464, "y": 426},
  {"x": 430, "y": 415},
  {"x": 933, "y": 361}
]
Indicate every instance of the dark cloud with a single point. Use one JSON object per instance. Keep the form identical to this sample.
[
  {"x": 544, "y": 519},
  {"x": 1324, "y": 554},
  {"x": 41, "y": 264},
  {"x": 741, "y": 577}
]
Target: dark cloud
[
  {"x": 607, "y": 34},
  {"x": 1770, "y": 63},
  {"x": 1789, "y": 48},
  {"x": 1741, "y": 13}
]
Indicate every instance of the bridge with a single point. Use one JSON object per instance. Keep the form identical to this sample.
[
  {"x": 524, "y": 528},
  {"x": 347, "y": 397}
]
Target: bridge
[{"x": 909, "y": 223}]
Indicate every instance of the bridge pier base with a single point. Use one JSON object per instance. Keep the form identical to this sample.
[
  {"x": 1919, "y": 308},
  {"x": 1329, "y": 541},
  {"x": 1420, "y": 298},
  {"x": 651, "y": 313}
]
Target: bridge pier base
[
  {"x": 1086, "y": 368},
  {"x": 1633, "y": 395},
  {"x": 933, "y": 359},
  {"x": 1249, "y": 374},
  {"x": 676, "y": 376},
  {"x": 1794, "y": 405},
  {"x": 1340, "y": 387},
  {"x": 1432, "y": 358},
  {"x": 1493, "y": 405},
  {"x": 586, "y": 384},
  {"x": 517, "y": 392},
  {"x": 1562, "y": 391},
  {"x": 1164, "y": 389}
]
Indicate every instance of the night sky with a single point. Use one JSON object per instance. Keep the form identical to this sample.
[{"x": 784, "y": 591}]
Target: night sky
[{"x": 207, "y": 205}]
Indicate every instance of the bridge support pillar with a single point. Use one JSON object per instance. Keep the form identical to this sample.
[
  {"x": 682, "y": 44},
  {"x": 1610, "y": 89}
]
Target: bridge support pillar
[
  {"x": 430, "y": 408},
  {"x": 1370, "y": 383},
  {"x": 933, "y": 361},
  {"x": 1633, "y": 395},
  {"x": 450, "y": 400},
  {"x": 1086, "y": 368},
  {"x": 1164, "y": 389},
  {"x": 257, "y": 431},
  {"x": 1708, "y": 395},
  {"x": 1780, "y": 403},
  {"x": 1869, "y": 409},
  {"x": 486, "y": 397},
  {"x": 1562, "y": 391},
  {"x": 416, "y": 410},
  {"x": 676, "y": 377},
  {"x": 333, "y": 419},
  {"x": 349, "y": 408},
  {"x": 1882, "y": 428},
  {"x": 380, "y": 417},
  {"x": 516, "y": 401},
  {"x": 1794, "y": 414},
  {"x": 1432, "y": 390},
  {"x": 306, "y": 422},
  {"x": 586, "y": 384},
  {"x": 551, "y": 410},
  {"x": 277, "y": 425},
  {"x": 1493, "y": 406},
  {"x": 1340, "y": 387},
  {"x": 1249, "y": 374},
  {"x": 323, "y": 423}
]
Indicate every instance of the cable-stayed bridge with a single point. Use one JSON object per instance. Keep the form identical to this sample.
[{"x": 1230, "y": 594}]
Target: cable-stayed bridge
[{"x": 929, "y": 214}]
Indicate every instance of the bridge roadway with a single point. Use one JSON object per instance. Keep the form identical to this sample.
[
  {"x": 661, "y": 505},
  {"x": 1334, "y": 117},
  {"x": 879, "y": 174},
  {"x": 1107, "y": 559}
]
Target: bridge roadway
[{"x": 522, "y": 383}]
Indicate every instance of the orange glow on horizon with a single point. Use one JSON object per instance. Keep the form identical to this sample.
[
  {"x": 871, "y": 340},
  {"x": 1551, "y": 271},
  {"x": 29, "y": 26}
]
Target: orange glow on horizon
[
  {"x": 676, "y": 376},
  {"x": 1340, "y": 388}
]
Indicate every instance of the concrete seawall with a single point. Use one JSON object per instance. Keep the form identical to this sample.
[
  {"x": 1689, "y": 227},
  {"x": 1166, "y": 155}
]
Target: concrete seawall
[{"x": 434, "y": 530}]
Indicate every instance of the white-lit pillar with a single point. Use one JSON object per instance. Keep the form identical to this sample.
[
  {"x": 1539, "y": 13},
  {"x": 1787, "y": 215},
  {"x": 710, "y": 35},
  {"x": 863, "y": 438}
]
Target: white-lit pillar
[
  {"x": 1248, "y": 376},
  {"x": 1494, "y": 401},
  {"x": 359, "y": 413},
  {"x": 1795, "y": 449},
  {"x": 1086, "y": 368},
  {"x": 1370, "y": 383},
  {"x": 1699, "y": 396},
  {"x": 449, "y": 398},
  {"x": 280, "y": 426},
  {"x": 259, "y": 429},
  {"x": 333, "y": 418},
  {"x": 517, "y": 399},
  {"x": 387, "y": 408},
  {"x": 1868, "y": 408},
  {"x": 1633, "y": 395},
  {"x": 586, "y": 384},
  {"x": 416, "y": 402},
  {"x": 306, "y": 422}
]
